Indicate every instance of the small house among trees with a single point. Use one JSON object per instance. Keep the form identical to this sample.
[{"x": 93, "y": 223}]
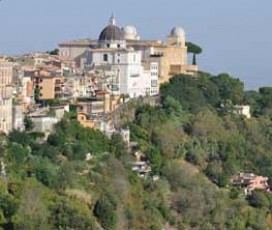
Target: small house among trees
[{"x": 250, "y": 182}]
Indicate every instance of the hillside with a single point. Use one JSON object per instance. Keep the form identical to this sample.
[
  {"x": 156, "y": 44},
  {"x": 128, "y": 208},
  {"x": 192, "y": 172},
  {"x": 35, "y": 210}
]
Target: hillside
[{"x": 193, "y": 141}]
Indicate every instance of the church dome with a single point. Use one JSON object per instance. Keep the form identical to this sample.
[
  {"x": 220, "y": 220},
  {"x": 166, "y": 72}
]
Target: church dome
[
  {"x": 129, "y": 30},
  {"x": 111, "y": 33},
  {"x": 177, "y": 32},
  {"x": 130, "y": 33}
]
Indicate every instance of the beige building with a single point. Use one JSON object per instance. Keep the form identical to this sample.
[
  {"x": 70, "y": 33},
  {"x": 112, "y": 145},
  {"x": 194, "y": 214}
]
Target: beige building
[
  {"x": 6, "y": 72},
  {"x": 105, "y": 126},
  {"x": 92, "y": 107},
  {"x": 171, "y": 55},
  {"x": 77, "y": 86},
  {"x": 104, "y": 103},
  {"x": 27, "y": 92},
  {"x": 73, "y": 49},
  {"x": 48, "y": 83}
]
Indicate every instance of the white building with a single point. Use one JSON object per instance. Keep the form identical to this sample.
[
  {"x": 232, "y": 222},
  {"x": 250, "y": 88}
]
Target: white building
[
  {"x": 59, "y": 111},
  {"x": 18, "y": 117},
  {"x": 130, "y": 76},
  {"x": 6, "y": 73},
  {"x": 27, "y": 91},
  {"x": 44, "y": 124},
  {"x": 242, "y": 110},
  {"x": 125, "y": 133}
]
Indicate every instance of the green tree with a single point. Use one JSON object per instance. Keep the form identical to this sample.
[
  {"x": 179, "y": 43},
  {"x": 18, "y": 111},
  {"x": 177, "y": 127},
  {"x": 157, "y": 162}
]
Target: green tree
[
  {"x": 8, "y": 205},
  {"x": 155, "y": 158},
  {"x": 22, "y": 138},
  {"x": 229, "y": 88},
  {"x": 117, "y": 146},
  {"x": 265, "y": 100},
  {"x": 104, "y": 210},
  {"x": 32, "y": 213},
  {"x": 54, "y": 52},
  {"x": 194, "y": 49},
  {"x": 44, "y": 170},
  {"x": 253, "y": 98},
  {"x": 67, "y": 215},
  {"x": 185, "y": 90},
  {"x": 37, "y": 92},
  {"x": 66, "y": 176},
  {"x": 29, "y": 125},
  {"x": 208, "y": 125},
  {"x": 171, "y": 106},
  {"x": 170, "y": 136},
  {"x": 258, "y": 199}
]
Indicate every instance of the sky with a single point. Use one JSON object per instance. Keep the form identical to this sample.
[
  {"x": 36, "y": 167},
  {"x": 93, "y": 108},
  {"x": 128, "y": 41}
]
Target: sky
[{"x": 235, "y": 35}]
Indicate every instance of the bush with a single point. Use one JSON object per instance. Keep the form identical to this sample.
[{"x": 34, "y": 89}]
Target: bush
[{"x": 104, "y": 210}]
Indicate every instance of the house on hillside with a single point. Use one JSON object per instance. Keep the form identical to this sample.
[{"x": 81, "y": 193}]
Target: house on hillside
[
  {"x": 250, "y": 182},
  {"x": 242, "y": 110}
]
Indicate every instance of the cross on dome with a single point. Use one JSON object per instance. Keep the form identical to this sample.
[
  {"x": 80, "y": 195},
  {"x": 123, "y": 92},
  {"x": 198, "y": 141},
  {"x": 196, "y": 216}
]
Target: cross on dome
[{"x": 112, "y": 20}]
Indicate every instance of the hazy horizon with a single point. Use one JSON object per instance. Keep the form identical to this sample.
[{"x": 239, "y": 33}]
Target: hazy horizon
[{"x": 234, "y": 35}]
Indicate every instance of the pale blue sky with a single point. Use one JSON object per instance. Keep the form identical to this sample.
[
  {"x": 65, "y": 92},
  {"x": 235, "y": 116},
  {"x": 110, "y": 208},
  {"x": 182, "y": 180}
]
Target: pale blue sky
[{"x": 235, "y": 34}]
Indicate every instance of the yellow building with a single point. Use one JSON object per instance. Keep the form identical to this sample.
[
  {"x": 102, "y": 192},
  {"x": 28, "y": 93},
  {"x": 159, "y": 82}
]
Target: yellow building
[{"x": 6, "y": 72}]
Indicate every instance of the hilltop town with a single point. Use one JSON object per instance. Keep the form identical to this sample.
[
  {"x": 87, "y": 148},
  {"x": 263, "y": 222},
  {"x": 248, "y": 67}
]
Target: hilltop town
[
  {"x": 118, "y": 132},
  {"x": 96, "y": 76}
]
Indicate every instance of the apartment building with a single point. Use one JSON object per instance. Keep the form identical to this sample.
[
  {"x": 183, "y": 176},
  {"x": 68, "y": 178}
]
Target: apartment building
[
  {"x": 48, "y": 84},
  {"x": 6, "y": 73}
]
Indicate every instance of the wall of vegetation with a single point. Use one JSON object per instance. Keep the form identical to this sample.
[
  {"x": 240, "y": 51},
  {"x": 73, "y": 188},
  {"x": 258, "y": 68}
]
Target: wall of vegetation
[{"x": 192, "y": 143}]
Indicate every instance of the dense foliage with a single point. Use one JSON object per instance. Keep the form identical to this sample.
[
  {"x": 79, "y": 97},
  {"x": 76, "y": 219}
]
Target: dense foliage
[{"x": 193, "y": 142}]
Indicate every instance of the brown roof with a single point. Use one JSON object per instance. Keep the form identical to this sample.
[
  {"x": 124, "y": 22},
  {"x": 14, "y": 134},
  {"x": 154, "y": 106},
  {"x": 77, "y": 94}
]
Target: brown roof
[{"x": 101, "y": 92}]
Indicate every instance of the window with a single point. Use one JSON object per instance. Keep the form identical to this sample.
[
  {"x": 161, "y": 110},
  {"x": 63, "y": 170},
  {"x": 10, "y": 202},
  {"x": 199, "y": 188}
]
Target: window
[
  {"x": 118, "y": 45},
  {"x": 154, "y": 83},
  {"x": 105, "y": 57},
  {"x": 108, "y": 45}
]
